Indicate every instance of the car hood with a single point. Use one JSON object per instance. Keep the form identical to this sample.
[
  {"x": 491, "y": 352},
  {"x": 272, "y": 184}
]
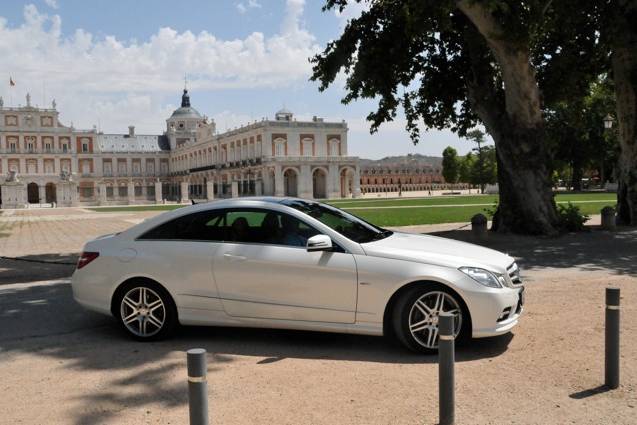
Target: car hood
[{"x": 439, "y": 251}]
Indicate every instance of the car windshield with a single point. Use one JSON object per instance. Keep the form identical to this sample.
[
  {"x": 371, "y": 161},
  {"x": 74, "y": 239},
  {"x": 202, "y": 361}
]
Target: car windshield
[{"x": 344, "y": 223}]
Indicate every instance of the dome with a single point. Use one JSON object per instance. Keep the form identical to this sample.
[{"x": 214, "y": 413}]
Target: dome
[{"x": 186, "y": 111}]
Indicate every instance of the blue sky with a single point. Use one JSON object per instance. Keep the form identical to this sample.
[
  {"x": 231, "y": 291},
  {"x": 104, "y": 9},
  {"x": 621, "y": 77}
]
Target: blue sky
[{"x": 113, "y": 63}]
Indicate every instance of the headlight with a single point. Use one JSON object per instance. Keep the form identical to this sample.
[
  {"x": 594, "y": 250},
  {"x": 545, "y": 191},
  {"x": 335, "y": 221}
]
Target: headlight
[{"x": 482, "y": 276}]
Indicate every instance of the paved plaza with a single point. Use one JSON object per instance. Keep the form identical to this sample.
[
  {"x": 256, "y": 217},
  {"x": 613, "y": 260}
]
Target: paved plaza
[{"x": 60, "y": 364}]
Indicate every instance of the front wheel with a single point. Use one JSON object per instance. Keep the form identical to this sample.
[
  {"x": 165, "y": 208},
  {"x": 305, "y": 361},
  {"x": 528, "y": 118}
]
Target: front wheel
[
  {"x": 146, "y": 311},
  {"x": 416, "y": 313}
]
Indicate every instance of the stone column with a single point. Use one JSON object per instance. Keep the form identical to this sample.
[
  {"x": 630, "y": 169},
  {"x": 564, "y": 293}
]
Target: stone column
[
  {"x": 56, "y": 165},
  {"x": 258, "y": 187},
  {"x": 102, "y": 198},
  {"x": 158, "y": 194},
  {"x": 40, "y": 165},
  {"x": 356, "y": 186},
  {"x": 42, "y": 193},
  {"x": 129, "y": 167},
  {"x": 131, "y": 192},
  {"x": 333, "y": 183},
  {"x": 210, "y": 190},
  {"x": 235, "y": 189},
  {"x": 305, "y": 182},
  {"x": 219, "y": 185},
  {"x": 278, "y": 181},
  {"x": 184, "y": 191},
  {"x": 73, "y": 194}
]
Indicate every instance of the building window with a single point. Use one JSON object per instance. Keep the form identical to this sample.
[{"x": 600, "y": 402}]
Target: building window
[
  {"x": 64, "y": 148},
  {"x": 12, "y": 147},
  {"x": 279, "y": 148},
  {"x": 84, "y": 147}
]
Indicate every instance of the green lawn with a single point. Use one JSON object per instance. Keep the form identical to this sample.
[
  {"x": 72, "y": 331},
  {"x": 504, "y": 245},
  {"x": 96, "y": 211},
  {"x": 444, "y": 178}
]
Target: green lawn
[{"x": 451, "y": 209}]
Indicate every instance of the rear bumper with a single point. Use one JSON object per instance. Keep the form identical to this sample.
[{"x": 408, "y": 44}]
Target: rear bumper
[{"x": 90, "y": 296}]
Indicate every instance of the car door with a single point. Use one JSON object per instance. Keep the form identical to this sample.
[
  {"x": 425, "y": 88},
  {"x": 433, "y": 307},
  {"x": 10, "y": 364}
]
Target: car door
[
  {"x": 179, "y": 254},
  {"x": 264, "y": 271}
]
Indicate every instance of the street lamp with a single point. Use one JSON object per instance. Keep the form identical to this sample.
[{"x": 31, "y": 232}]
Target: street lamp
[{"x": 608, "y": 125}]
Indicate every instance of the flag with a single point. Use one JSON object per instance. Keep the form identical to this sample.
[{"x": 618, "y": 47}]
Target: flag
[{"x": 11, "y": 82}]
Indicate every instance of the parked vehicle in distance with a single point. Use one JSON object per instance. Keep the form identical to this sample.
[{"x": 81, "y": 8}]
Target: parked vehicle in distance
[{"x": 296, "y": 264}]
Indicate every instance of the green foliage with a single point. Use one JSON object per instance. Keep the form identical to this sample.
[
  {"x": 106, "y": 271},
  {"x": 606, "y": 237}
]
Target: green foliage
[
  {"x": 490, "y": 211},
  {"x": 571, "y": 218},
  {"x": 428, "y": 58},
  {"x": 577, "y": 137},
  {"x": 450, "y": 165},
  {"x": 467, "y": 164}
]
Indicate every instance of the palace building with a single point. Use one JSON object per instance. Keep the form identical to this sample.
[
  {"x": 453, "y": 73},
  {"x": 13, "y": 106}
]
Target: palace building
[{"x": 46, "y": 162}]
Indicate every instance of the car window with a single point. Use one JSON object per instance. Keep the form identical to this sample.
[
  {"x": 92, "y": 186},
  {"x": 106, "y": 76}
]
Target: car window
[
  {"x": 201, "y": 226},
  {"x": 346, "y": 224},
  {"x": 267, "y": 227}
]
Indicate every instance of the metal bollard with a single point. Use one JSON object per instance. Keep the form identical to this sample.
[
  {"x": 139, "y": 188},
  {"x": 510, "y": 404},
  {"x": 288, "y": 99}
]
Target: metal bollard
[
  {"x": 446, "y": 359},
  {"x": 611, "y": 369},
  {"x": 197, "y": 386}
]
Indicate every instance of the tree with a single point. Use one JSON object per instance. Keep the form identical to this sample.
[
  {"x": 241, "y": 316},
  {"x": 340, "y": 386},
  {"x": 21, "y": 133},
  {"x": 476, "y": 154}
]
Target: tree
[
  {"x": 478, "y": 172},
  {"x": 450, "y": 165},
  {"x": 459, "y": 63},
  {"x": 465, "y": 170},
  {"x": 620, "y": 32},
  {"x": 484, "y": 168}
]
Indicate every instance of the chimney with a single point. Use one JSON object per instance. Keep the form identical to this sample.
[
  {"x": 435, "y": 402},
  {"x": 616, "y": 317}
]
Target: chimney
[{"x": 131, "y": 131}]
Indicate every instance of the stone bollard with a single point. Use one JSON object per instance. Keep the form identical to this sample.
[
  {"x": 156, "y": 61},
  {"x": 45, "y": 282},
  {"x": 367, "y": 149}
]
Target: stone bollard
[
  {"x": 608, "y": 218},
  {"x": 479, "y": 226}
]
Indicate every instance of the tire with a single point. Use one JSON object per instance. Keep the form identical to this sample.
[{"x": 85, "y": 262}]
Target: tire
[
  {"x": 424, "y": 339},
  {"x": 145, "y": 310}
]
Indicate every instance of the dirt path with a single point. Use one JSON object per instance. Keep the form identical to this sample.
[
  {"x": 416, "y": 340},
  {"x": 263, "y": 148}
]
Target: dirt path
[{"x": 60, "y": 364}]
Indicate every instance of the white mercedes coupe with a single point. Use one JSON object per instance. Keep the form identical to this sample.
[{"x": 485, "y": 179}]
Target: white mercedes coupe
[{"x": 295, "y": 264}]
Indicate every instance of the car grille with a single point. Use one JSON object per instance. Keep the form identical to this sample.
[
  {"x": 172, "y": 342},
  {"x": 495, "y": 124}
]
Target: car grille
[{"x": 514, "y": 274}]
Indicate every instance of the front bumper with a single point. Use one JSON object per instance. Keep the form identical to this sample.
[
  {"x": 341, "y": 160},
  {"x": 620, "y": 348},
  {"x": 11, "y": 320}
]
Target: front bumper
[{"x": 496, "y": 312}]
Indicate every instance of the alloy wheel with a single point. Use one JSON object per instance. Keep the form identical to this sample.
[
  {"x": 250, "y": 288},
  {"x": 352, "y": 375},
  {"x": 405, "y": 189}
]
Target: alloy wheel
[
  {"x": 143, "y": 311},
  {"x": 424, "y": 314}
]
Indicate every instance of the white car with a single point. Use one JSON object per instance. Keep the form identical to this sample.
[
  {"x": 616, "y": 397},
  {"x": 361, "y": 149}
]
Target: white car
[{"x": 295, "y": 264}]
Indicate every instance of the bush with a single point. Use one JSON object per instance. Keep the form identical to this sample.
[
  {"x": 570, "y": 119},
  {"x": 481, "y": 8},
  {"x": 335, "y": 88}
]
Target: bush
[{"x": 570, "y": 218}]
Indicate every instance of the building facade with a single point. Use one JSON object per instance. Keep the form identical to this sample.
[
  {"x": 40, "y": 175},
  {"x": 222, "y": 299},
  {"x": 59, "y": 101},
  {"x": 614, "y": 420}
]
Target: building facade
[{"x": 46, "y": 162}]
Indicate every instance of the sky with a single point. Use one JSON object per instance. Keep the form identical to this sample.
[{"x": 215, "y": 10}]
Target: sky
[{"x": 115, "y": 63}]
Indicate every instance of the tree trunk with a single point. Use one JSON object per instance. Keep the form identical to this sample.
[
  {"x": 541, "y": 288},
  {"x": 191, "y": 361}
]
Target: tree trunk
[
  {"x": 517, "y": 127},
  {"x": 624, "y": 41},
  {"x": 576, "y": 177}
]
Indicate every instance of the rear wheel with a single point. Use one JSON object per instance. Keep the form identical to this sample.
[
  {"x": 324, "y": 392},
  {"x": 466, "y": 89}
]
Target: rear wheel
[
  {"x": 146, "y": 311},
  {"x": 416, "y": 313}
]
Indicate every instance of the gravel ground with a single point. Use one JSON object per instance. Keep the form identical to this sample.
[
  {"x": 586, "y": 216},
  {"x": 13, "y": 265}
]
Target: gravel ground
[{"x": 60, "y": 364}]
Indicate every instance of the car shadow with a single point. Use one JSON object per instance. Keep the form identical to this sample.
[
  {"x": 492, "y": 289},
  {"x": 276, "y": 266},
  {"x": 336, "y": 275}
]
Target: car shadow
[
  {"x": 34, "y": 268},
  {"x": 43, "y": 320},
  {"x": 591, "y": 250}
]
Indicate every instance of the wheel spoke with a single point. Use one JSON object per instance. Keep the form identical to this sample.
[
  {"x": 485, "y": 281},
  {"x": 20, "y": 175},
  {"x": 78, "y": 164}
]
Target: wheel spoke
[
  {"x": 155, "y": 321},
  {"x": 432, "y": 337},
  {"x": 142, "y": 296},
  {"x": 419, "y": 326},
  {"x": 424, "y": 308},
  {"x": 154, "y": 305},
  {"x": 144, "y": 322},
  {"x": 439, "y": 302},
  {"x": 129, "y": 302},
  {"x": 131, "y": 318}
]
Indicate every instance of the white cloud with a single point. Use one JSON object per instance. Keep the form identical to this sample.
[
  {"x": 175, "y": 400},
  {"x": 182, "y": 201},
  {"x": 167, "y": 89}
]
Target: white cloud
[
  {"x": 251, "y": 4},
  {"x": 352, "y": 10},
  {"x": 53, "y": 4},
  {"x": 102, "y": 75}
]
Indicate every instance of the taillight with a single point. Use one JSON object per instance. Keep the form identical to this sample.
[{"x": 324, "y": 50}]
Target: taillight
[{"x": 85, "y": 258}]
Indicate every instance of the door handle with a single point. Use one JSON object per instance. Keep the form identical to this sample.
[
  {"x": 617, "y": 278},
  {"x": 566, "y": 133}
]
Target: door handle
[{"x": 232, "y": 257}]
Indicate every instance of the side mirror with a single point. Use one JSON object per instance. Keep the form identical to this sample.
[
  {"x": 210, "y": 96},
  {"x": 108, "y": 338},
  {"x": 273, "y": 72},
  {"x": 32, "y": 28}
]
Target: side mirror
[{"x": 319, "y": 243}]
